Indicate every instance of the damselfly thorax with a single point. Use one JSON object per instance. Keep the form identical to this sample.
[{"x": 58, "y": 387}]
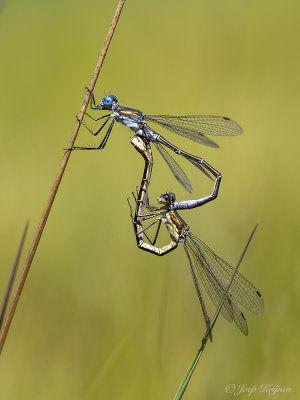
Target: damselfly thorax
[{"x": 128, "y": 117}]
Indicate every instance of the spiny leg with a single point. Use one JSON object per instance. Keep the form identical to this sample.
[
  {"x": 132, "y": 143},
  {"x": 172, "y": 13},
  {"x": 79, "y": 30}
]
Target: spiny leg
[
  {"x": 138, "y": 222},
  {"x": 156, "y": 234},
  {"x": 130, "y": 207},
  {"x": 94, "y": 119},
  {"x": 102, "y": 144},
  {"x": 135, "y": 223},
  {"x": 93, "y": 104},
  {"x": 147, "y": 227},
  {"x": 101, "y": 127}
]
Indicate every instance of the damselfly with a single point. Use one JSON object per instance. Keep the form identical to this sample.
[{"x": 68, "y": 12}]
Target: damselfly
[
  {"x": 206, "y": 267},
  {"x": 193, "y": 127}
]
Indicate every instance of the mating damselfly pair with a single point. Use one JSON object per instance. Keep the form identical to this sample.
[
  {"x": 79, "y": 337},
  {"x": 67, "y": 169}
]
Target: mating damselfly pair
[{"x": 207, "y": 268}]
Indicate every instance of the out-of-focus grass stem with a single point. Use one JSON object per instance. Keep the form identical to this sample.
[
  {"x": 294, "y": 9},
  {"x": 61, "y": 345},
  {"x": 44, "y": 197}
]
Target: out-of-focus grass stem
[
  {"x": 13, "y": 275},
  {"x": 57, "y": 180}
]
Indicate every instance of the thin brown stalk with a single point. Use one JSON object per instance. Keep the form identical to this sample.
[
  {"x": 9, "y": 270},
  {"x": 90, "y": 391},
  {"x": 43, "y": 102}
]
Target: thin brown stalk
[{"x": 57, "y": 181}]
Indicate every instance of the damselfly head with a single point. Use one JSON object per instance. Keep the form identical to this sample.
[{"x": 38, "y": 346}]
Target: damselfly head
[
  {"x": 108, "y": 102},
  {"x": 166, "y": 198}
]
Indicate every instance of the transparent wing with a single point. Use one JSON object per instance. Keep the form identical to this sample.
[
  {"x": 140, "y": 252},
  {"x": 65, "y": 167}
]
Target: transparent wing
[
  {"x": 195, "y": 127},
  {"x": 174, "y": 167},
  {"x": 243, "y": 291},
  {"x": 230, "y": 310},
  {"x": 215, "y": 273}
]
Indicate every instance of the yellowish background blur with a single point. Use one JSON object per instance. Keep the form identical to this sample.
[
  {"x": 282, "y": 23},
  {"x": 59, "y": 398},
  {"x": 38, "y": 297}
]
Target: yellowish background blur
[{"x": 100, "y": 319}]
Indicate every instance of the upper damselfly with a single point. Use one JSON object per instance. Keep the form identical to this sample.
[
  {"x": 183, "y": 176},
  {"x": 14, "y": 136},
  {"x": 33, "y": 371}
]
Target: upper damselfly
[
  {"x": 207, "y": 268},
  {"x": 194, "y": 127}
]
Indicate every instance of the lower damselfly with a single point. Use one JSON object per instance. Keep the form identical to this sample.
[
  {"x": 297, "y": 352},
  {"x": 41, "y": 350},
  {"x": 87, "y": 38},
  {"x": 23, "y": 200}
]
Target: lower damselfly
[
  {"x": 194, "y": 127},
  {"x": 206, "y": 267}
]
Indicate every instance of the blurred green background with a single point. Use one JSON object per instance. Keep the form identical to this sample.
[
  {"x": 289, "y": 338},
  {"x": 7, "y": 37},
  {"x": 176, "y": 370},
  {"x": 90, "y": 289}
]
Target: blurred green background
[{"x": 100, "y": 319}]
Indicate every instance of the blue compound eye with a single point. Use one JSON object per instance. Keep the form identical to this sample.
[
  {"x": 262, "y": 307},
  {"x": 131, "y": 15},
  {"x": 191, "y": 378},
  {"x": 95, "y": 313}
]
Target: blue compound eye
[{"x": 107, "y": 101}]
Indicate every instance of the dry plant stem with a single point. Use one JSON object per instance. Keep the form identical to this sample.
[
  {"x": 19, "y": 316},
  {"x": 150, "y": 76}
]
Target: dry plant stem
[{"x": 58, "y": 179}]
